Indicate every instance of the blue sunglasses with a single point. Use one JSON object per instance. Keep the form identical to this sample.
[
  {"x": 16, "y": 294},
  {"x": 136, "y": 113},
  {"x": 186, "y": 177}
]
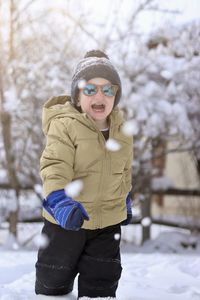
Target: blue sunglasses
[{"x": 91, "y": 89}]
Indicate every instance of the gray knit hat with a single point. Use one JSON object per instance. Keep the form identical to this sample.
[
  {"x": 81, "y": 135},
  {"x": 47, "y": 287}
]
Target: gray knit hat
[{"x": 95, "y": 64}]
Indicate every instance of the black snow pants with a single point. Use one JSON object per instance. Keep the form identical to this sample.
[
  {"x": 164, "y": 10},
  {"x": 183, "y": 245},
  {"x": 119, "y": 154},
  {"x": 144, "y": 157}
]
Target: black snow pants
[{"x": 93, "y": 254}]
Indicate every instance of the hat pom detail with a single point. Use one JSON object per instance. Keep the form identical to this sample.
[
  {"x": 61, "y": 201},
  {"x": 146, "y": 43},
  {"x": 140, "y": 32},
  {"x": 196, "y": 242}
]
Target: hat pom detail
[{"x": 96, "y": 53}]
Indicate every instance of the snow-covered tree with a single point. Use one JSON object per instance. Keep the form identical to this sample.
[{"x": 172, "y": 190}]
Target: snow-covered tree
[
  {"x": 35, "y": 65},
  {"x": 163, "y": 98}
]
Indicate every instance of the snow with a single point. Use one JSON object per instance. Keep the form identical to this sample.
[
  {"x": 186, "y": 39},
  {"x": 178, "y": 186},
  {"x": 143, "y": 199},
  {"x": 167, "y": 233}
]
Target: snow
[
  {"x": 130, "y": 128},
  {"x": 3, "y": 175},
  {"x": 74, "y": 188},
  {"x": 145, "y": 276},
  {"x": 162, "y": 183},
  {"x": 99, "y": 298},
  {"x": 166, "y": 74},
  {"x": 117, "y": 236},
  {"x": 112, "y": 145},
  {"x": 146, "y": 221},
  {"x": 38, "y": 189},
  {"x": 160, "y": 269},
  {"x": 41, "y": 241},
  {"x": 81, "y": 83}
]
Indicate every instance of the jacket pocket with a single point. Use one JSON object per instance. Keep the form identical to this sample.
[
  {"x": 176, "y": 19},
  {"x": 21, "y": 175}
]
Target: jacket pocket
[{"x": 117, "y": 166}]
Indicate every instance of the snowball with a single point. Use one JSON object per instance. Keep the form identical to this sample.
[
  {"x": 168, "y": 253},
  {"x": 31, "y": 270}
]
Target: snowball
[
  {"x": 130, "y": 128},
  {"x": 116, "y": 236},
  {"x": 81, "y": 84},
  {"x": 112, "y": 145},
  {"x": 74, "y": 188},
  {"x": 41, "y": 241},
  {"x": 146, "y": 222}
]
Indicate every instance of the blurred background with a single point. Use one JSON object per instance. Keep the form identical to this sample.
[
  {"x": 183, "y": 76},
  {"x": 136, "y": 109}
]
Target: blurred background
[{"x": 155, "y": 46}]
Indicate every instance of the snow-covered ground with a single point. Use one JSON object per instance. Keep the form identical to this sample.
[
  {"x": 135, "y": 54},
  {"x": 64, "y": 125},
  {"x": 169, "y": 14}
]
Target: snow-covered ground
[{"x": 159, "y": 270}]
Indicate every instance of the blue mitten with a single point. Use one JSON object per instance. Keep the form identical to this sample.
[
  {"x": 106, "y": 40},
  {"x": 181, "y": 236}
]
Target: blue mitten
[
  {"x": 67, "y": 212},
  {"x": 129, "y": 211}
]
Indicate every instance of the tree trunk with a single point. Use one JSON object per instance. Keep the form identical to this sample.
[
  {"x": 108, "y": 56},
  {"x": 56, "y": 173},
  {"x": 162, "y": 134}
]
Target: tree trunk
[
  {"x": 6, "y": 131},
  {"x": 5, "y": 119},
  {"x": 146, "y": 218},
  {"x": 13, "y": 216}
]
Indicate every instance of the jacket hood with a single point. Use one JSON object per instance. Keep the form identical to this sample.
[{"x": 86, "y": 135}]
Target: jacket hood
[{"x": 61, "y": 106}]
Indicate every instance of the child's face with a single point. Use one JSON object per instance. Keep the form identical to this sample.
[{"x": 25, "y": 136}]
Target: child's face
[{"x": 97, "y": 106}]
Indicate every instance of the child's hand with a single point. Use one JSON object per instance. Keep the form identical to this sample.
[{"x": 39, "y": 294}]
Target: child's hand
[
  {"x": 67, "y": 212},
  {"x": 129, "y": 211}
]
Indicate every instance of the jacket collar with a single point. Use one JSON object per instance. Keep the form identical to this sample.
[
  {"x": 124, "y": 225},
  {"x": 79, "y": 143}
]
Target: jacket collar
[{"x": 59, "y": 107}]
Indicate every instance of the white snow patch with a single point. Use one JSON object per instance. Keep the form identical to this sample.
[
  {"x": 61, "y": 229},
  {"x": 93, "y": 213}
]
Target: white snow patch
[
  {"x": 99, "y": 298},
  {"x": 3, "y": 175},
  {"x": 162, "y": 183},
  {"x": 142, "y": 277},
  {"x": 141, "y": 114},
  {"x": 12, "y": 204},
  {"x": 11, "y": 242},
  {"x": 164, "y": 107}
]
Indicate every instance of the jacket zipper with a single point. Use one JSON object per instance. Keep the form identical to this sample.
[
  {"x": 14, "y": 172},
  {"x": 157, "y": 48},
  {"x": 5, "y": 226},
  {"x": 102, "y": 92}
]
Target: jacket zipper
[{"x": 106, "y": 169}]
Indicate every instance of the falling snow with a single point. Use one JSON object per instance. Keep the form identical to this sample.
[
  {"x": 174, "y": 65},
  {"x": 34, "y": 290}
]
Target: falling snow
[
  {"x": 74, "y": 188},
  {"x": 112, "y": 145}
]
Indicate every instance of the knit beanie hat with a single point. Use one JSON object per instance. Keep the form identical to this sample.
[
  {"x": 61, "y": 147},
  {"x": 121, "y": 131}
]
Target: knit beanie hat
[{"x": 95, "y": 64}]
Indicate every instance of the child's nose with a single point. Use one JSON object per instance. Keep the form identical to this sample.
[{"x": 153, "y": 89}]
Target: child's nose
[{"x": 99, "y": 93}]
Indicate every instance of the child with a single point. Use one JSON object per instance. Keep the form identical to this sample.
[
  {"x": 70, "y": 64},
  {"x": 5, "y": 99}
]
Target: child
[{"x": 84, "y": 233}]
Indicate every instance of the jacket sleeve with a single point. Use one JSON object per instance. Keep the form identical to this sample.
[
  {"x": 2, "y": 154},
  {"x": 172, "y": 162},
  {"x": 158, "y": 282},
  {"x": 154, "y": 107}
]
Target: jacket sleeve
[
  {"x": 128, "y": 168},
  {"x": 56, "y": 163}
]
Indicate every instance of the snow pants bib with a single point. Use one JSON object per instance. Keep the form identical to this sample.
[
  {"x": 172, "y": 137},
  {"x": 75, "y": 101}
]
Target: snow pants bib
[{"x": 93, "y": 254}]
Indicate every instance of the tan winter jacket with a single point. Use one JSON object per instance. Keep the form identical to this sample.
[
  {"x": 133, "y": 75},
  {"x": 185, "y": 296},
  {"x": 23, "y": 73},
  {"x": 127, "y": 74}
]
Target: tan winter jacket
[{"x": 76, "y": 149}]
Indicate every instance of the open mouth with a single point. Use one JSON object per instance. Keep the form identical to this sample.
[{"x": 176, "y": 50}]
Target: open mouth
[{"x": 98, "y": 107}]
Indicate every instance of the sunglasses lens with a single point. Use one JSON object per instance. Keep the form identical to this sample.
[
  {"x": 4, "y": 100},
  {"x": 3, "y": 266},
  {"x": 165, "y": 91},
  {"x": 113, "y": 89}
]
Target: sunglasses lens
[
  {"x": 109, "y": 90},
  {"x": 89, "y": 89}
]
